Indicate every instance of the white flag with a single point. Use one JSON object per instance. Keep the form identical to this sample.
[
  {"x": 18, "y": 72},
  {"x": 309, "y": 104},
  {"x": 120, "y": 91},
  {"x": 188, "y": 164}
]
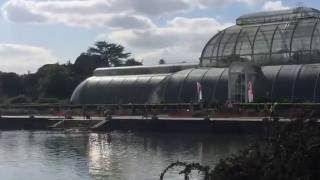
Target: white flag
[
  {"x": 250, "y": 92},
  {"x": 199, "y": 91}
]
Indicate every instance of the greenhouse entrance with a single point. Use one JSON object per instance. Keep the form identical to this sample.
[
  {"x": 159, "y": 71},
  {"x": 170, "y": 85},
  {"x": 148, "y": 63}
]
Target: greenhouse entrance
[
  {"x": 238, "y": 88},
  {"x": 240, "y": 83}
]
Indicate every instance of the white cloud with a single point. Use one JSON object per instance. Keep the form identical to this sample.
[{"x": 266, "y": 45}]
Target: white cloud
[
  {"x": 83, "y": 13},
  {"x": 129, "y": 22},
  {"x": 274, "y": 5},
  {"x": 23, "y": 58},
  {"x": 181, "y": 39},
  {"x": 152, "y": 7},
  {"x": 215, "y": 3},
  {"x": 110, "y": 13},
  {"x": 19, "y": 12}
]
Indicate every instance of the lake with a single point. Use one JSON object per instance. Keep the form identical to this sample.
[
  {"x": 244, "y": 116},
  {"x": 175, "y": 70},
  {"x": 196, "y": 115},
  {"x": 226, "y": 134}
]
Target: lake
[{"x": 57, "y": 155}]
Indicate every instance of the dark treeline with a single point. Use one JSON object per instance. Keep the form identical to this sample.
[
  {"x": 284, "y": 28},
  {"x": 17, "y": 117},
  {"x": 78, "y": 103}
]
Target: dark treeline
[{"x": 53, "y": 83}]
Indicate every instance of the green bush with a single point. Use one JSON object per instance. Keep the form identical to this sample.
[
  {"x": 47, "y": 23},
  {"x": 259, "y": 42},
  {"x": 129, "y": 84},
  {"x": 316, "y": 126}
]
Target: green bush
[
  {"x": 289, "y": 152},
  {"x": 292, "y": 152},
  {"x": 19, "y": 99},
  {"x": 262, "y": 100},
  {"x": 202, "y": 113},
  {"x": 48, "y": 100},
  {"x": 3, "y": 99}
]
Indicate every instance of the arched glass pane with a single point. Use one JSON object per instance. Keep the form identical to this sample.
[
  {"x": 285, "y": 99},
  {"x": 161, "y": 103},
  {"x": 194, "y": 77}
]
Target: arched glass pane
[
  {"x": 76, "y": 97},
  {"x": 189, "y": 90},
  {"x": 210, "y": 50},
  {"x": 264, "y": 83},
  {"x": 221, "y": 90},
  {"x": 128, "y": 87},
  {"x": 114, "y": 96},
  {"x": 209, "y": 83},
  {"x": 300, "y": 50},
  {"x": 212, "y": 46},
  {"x": 281, "y": 43},
  {"x": 304, "y": 92},
  {"x": 155, "y": 84},
  {"x": 245, "y": 42},
  {"x": 315, "y": 46},
  {"x": 140, "y": 93},
  {"x": 284, "y": 82},
  {"x": 262, "y": 44},
  {"x": 226, "y": 48},
  {"x": 89, "y": 92},
  {"x": 174, "y": 86}
]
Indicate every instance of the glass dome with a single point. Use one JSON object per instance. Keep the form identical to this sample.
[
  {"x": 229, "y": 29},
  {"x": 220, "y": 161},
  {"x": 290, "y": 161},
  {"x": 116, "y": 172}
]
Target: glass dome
[{"x": 267, "y": 38}]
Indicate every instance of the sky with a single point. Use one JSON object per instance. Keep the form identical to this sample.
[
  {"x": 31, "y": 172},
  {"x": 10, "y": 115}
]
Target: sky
[{"x": 38, "y": 32}]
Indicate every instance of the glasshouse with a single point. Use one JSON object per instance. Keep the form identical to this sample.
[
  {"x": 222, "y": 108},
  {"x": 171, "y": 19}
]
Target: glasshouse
[{"x": 267, "y": 56}]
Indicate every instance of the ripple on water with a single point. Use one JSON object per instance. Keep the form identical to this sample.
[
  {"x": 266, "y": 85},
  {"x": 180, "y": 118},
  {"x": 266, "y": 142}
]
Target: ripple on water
[{"x": 133, "y": 156}]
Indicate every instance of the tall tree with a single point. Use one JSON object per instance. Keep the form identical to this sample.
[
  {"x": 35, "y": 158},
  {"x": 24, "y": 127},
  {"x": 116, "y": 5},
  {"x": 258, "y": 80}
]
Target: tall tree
[{"x": 111, "y": 54}]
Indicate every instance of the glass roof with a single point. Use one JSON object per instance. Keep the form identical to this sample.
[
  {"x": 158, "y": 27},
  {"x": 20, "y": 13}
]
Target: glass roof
[
  {"x": 280, "y": 15},
  {"x": 278, "y": 37}
]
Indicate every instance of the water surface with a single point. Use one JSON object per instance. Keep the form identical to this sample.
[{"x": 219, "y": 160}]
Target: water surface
[{"x": 50, "y": 155}]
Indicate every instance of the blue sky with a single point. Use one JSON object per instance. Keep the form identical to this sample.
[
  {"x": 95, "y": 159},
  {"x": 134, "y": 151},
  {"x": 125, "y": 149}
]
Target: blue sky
[{"x": 36, "y": 32}]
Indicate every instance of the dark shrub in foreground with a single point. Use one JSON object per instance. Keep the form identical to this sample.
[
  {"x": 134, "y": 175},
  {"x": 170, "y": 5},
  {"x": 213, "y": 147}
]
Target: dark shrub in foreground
[{"x": 291, "y": 152}]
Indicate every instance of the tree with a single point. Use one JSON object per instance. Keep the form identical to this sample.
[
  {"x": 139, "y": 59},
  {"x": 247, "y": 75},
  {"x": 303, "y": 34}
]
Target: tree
[
  {"x": 162, "y": 61},
  {"x": 85, "y": 64},
  {"x": 30, "y": 83},
  {"x": 132, "y": 62},
  {"x": 11, "y": 84},
  {"x": 55, "y": 81},
  {"x": 111, "y": 54}
]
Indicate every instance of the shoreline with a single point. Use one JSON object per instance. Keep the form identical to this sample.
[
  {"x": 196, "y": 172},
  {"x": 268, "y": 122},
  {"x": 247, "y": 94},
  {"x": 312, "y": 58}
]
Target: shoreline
[{"x": 234, "y": 125}]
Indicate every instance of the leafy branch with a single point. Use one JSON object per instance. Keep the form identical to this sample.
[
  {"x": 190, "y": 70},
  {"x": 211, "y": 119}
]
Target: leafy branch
[{"x": 188, "y": 168}]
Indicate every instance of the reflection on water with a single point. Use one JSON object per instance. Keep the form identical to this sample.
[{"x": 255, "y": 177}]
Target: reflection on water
[
  {"x": 43, "y": 155},
  {"x": 135, "y": 156}
]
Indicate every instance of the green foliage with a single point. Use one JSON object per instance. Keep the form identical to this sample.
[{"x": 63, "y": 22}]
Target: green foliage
[
  {"x": 111, "y": 54},
  {"x": 285, "y": 100},
  {"x": 48, "y": 100},
  {"x": 3, "y": 99},
  {"x": 55, "y": 82},
  {"x": 19, "y": 99},
  {"x": 11, "y": 84},
  {"x": 261, "y": 99},
  {"x": 132, "y": 62},
  {"x": 85, "y": 64},
  {"x": 162, "y": 61},
  {"x": 187, "y": 169},
  {"x": 30, "y": 84},
  {"x": 290, "y": 152},
  {"x": 202, "y": 113}
]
